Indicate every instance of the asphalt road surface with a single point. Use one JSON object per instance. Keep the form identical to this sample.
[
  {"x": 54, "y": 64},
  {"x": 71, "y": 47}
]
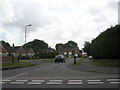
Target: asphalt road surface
[{"x": 56, "y": 75}]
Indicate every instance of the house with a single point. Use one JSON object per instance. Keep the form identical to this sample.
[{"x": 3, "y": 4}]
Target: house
[
  {"x": 5, "y": 54},
  {"x": 3, "y": 51},
  {"x": 70, "y": 51},
  {"x": 30, "y": 52},
  {"x": 18, "y": 50}
]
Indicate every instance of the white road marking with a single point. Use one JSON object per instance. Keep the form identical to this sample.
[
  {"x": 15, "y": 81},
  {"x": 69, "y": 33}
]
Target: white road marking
[
  {"x": 38, "y": 80},
  {"x": 17, "y": 75},
  {"x": 5, "y": 80},
  {"x": 95, "y": 82},
  {"x": 113, "y": 80},
  {"x": 74, "y": 83},
  {"x": 33, "y": 83},
  {"x": 17, "y": 82},
  {"x": 21, "y": 80},
  {"x": 55, "y": 80},
  {"x": 75, "y": 80},
  {"x": 55, "y": 83},
  {"x": 2, "y": 82}
]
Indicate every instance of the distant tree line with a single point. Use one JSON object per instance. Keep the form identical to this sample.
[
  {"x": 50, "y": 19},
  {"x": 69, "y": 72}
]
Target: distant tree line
[
  {"x": 40, "y": 47},
  {"x": 46, "y": 55},
  {"x": 106, "y": 45},
  {"x": 69, "y": 44}
]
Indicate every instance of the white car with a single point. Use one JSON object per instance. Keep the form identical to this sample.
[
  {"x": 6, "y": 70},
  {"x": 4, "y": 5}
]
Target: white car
[{"x": 90, "y": 57}]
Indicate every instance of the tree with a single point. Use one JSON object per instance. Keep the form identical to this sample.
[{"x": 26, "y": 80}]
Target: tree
[
  {"x": 72, "y": 44},
  {"x": 59, "y": 46},
  {"x": 4, "y": 44},
  {"x": 106, "y": 45},
  {"x": 87, "y": 48},
  {"x": 36, "y": 45}
]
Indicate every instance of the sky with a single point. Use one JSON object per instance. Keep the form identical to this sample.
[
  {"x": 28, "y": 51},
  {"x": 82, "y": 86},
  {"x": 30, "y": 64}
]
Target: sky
[{"x": 56, "y": 21}]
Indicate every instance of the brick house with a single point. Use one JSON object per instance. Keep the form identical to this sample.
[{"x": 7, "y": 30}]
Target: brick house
[
  {"x": 18, "y": 50},
  {"x": 70, "y": 51},
  {"x": 30, "y": 52},
  {"x": 6, "y": 55},
  {"x": 3, "y": 51}
]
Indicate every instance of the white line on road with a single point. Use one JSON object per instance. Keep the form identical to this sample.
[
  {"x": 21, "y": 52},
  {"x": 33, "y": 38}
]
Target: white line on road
[
  {"x": 2, "y": 82},
  {"x": 113, "y": 80},
  {"x": 55, "y": 83},
  {"x": 17, "y": 75},
  {"x": 95, "y": 82},
  {"x": 38, "y": 80},
  {"x": 34, "y": 83},
  {"x": 17, "y": 82},
  {"x": 75, "y": 80},
  {"x": 74, "y": 83},
  {"x": 21, "y": 80},
  {"x": 55, "y": 80},
  {"x": 5, "y": 80}
]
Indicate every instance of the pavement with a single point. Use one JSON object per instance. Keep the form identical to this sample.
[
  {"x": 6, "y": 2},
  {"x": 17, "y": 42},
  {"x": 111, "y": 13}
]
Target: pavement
[
  {"x": 57, "y": 75},
  {"x": 86, "y": 66}
]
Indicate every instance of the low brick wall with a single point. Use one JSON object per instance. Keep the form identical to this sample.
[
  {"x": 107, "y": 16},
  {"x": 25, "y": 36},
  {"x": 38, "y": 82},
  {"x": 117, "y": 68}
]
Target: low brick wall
[{"x": 9, "y": 59}]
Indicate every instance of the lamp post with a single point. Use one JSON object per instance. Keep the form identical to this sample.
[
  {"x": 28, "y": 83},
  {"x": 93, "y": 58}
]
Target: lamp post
[{"x": 25, "y": 35}]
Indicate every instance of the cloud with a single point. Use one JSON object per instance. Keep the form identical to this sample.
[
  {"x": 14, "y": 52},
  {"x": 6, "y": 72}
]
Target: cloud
[{"x": 55, "y": 21}]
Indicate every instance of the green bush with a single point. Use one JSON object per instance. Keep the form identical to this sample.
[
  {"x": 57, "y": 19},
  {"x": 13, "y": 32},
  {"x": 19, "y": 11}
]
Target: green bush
[{"x": 106, "y": 45}]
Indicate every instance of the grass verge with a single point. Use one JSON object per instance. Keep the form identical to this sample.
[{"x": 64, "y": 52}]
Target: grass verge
[
  {"x": 21, "y": 64},
  {"x": 106, "y": 63},
  {"x": 49, "y": 60}
]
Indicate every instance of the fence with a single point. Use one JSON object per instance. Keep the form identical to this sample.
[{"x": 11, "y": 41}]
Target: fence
[{"x": 9, "y": 59}]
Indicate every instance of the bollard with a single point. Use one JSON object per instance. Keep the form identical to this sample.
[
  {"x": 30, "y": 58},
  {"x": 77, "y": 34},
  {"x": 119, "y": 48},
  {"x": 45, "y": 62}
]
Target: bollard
[
  {"x": 12, "y": 58},
  {"x": 74, "y": 60}
]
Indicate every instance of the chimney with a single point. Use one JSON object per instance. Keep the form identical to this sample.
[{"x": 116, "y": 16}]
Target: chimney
[{"x": 13, "y": 45}]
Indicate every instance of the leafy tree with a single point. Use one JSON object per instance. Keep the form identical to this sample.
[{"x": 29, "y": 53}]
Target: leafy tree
[
  {"x": 87, "y": 47},
  {"x": 69, "y": 44},
  {"x": 72, "y": 44},
  {"x": 36, "y": 45},
  {"x": 4, "y": 44},
  {"x": 106, "y": 45},
  {"x": 59, "y": 46}
]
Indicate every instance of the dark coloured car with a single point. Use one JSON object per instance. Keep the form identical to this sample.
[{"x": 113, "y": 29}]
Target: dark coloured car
[{"x": 59, "y": 58}]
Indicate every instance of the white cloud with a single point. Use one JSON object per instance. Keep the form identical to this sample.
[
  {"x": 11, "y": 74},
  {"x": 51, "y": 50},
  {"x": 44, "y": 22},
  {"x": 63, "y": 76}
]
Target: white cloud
[{"x": 56, "y": 21}]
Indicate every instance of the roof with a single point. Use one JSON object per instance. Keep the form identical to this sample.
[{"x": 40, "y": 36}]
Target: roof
[
  {"x": 14, "y": 49},
  {"x": 28, "y": 49}
]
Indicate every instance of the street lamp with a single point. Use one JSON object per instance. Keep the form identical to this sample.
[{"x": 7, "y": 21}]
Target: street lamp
[
  {"x": 25, "y": 35},
  {"x": 25, "y": 31}
]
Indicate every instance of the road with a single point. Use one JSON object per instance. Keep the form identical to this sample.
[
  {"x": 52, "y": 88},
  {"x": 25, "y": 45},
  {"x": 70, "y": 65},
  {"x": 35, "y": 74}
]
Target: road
[{"x": 56, "y": 75}]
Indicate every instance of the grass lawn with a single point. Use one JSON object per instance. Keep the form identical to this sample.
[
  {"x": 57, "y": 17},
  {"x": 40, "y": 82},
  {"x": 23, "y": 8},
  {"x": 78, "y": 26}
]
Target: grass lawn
[
  {"x": 106, "y": 63},
  {"x": 49, "y": 60},
  {"x": 16, "y": 65}
]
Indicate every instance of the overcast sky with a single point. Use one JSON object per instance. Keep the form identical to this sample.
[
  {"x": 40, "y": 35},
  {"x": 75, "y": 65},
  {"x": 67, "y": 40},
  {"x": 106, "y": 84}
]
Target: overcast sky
[{"x": 56, "y": 21}]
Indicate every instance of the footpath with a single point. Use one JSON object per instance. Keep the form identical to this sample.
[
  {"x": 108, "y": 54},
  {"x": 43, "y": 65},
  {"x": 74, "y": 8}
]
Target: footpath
[{"x": 86, "y": 66}]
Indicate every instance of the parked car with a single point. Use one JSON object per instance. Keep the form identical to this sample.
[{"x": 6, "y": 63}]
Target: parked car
[
  {"x": 90, "y": 57},
  {"x": 59, "y": 58}
]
